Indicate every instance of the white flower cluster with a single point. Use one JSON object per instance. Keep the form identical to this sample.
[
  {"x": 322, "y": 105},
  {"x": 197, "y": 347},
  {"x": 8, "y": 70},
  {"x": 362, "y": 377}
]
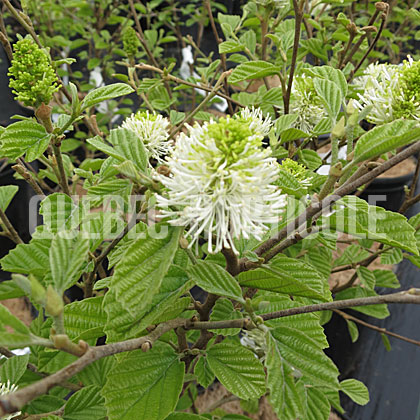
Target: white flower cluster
[
  {"x": 221, "y": 181},
  {"x": 7, "y": 388},
  {"x": 152, "y": 129},
  {"x": 390, "y": 91},
  {"x": 305, "y": 103},
  {"x": 379, "y": 86}
]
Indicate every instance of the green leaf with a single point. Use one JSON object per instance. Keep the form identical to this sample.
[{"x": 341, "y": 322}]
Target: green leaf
[
  {"x": 7, "y": 192},
  {"x": 104, "y": 93},
  {"x": 353, "y": 330},
  {"x": 309, "y": 324},
  {"x": 289, "y": 184},
  {"x": 224, "y": 310},
  {"x": 393, "y": 255},
  {"x": 252, "y": 70},
  {"x": 385, "y": 138},
  {"x": 176, "y": 117},
  {"x": 130, "y": 146},
  {"x": 366, "y": 277},
  {"x": 330, "y": 73},
  {"x": 22, "y": 137},
  {"x": 304, "y": 354},
  {"x": 284, "y": 122},
  {"x": 386, "y": 278},
  {"x": 144, "y": 385},
  {"x": 13, "y": 369},
  {"x": 362, "y": 220},
  {"x": 97, "y": 372},
  {"x": 237, "y": 369},
  {"x": 230, "y": 46},
  {"x": 99, "y": 144},
  {"x": 139, "y": 273},
  {"x": 60, "y": 212},
  {"x": 284, "y": 397},
  {"x": 215, "y": 279},
  {"x": 31, "y": 258},
  {"x": 287, "y": 276},
  {"x": 351, "y": 255},
  {"x": 385, "y": 341},
  {"x": 310, "y": 159},
  {"x": 85, "y": 404},
  {"x": 202, "y": 370},
  {"x": 85, "y": 319},
  {"x": 68, "y": 255},
  {"x": 356, "y": 390},
  {"x": 291, "y": 134},
  {"x": 9, "y": 290},
  {"x": 318, "y": 406},
  {"x": 330, "y": 95}
]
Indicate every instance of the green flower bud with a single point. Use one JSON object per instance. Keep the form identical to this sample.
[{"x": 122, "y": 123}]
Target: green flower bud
[
  {"x": 54, "y": 303},
  {"x": 131, "y": 42},
  {"x": 34, "y": 80}
]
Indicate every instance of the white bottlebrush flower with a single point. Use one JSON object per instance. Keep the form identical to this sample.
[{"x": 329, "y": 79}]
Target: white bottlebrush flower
[
  {"x": 152, "y": 129},
  {"x": 305, "y": 103},
  {"x": 221, "y": 184},
  {"x": 7, "y": 388},
  {"x": 379, "y": 88},
  {"x": 255, "y": 120}
]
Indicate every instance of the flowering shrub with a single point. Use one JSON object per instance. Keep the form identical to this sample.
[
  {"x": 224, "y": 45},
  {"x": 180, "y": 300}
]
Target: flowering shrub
[{"x": 201, "y": 204}]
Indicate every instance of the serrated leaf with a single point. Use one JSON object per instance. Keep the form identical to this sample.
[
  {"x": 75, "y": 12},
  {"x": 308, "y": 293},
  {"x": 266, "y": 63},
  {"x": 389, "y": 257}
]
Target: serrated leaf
[
  {"x": 309, "y": 324},
  {"x": 356, "y": 390},
  {"x": 144, "y": 385},
  {"x": 13, "y": 369},
  {"x": 385, "y": 138},
  {"x": 22, "y": 137},
  {"x": 85, "y": 404},
  {"x": 289, "y": 184},
  {"x": 304, "y": 354},
  {"x": 284, "y": 122},
  {"x": 139, "y": 273},
  {"x": 330, "y": 95},
  {"x": 351, "y": 255},
  {"x": 392, "y": 256},
  {"x": 185, "y": 416},
  {"x": 291, "y": 134},
  {"x": 130, "y": 146},
  {"x": 287, "y": 276},
  {"x": 85, "y": 319},
  {"x": 318, "y": 406},
  {"x": 214, "y": 279},
  {"x": 237, "y": 369},
  {"x": 31, "y": 258},
  {"x": 176, "y": 117},
  {"x": 330, "y": 73},
  {"x": 366, "y": 277},
  {"x": 386, "y": 278},
  {"x": 252, "y": 70},
  {"x": 116, "y": 191},
  {"x": 224, "y": 310},
  {"x": 104, "y": 93},
  {"x": 274, "y": 96},
  {"x": 7, "y": 192},
  {"x": 9, "y": 290},
  {"x": 284, "y": 397},
  {"x": 230, "y": 46},
  {"x": 60, "y": 212},
  {"x": 97, "y": 372},
  {"x": 310, "y": 159},
  {"x": 68, "y": 255},
  {"x": 203, "y": 372},
  {"x": 362, "y": 220},
  {"x": 99, "y": 144}
]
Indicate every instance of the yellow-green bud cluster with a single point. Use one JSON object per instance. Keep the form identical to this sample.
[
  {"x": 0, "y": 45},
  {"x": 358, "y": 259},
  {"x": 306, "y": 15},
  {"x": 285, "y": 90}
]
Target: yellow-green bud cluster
[
  {"x": 408, "y": 104},
  {"x": 131, "y": 42},
  {"x": 34, "y": 80}
]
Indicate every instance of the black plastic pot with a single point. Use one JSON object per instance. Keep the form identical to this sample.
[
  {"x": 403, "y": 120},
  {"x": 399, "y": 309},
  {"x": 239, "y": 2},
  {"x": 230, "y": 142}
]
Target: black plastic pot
[{"x": 387, "y": 192}]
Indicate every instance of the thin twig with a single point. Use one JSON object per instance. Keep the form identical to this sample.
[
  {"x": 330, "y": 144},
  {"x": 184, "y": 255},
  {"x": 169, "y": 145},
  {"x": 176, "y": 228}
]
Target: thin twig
[
  {"x": 375, "y": 328},
  {"x": 62, "y": 172},
  {"x": 298, "y": 22},
  {"x": 10, "y": 230}
]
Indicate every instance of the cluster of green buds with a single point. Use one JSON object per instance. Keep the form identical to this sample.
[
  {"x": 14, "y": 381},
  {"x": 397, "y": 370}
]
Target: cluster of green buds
[
  {"x": 131, "y": 42},
  {"x": 34, "y": 79},
  {"x": 408, "y": 104}
]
